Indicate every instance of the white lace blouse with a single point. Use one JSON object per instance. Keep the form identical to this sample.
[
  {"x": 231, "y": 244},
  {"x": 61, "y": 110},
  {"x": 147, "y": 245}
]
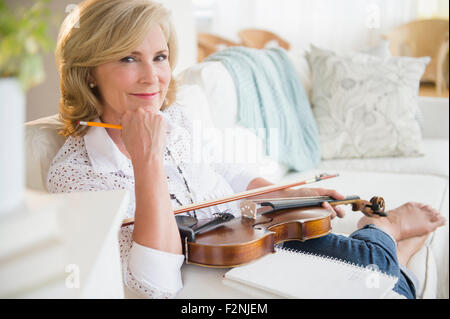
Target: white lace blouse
[{"x": 94, "y": 162}]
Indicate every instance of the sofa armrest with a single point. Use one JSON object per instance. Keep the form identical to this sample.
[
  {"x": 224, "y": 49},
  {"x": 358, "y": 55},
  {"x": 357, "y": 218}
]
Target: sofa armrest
[
  {"x": 42, "y": 142},
  {"x": 435, "y": 112}
]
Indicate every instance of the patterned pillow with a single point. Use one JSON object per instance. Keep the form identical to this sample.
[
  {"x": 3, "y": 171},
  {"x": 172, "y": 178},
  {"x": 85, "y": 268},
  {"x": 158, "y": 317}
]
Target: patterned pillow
[{"x": 366, "y": 106}]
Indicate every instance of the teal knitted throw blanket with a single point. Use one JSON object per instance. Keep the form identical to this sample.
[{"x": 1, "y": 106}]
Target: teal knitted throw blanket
[{"x": 272, "y": 102}]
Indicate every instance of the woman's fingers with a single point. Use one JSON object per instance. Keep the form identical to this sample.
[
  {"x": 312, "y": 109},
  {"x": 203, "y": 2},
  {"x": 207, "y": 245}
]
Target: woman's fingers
[
  {"x": 334, "y": 210},
  {"x": 340, "y": 211},
  {"x": 143, "y": 133},
  {"x": 327, "y": 206},
  {"x": 333, "y": 193}
]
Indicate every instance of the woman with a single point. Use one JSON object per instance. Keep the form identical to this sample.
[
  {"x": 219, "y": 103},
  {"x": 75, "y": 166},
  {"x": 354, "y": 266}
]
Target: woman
[{"x": 115, "y": 65}]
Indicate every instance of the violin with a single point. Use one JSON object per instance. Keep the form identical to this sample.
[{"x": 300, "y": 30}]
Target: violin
[{"x": 227, "y": 241}]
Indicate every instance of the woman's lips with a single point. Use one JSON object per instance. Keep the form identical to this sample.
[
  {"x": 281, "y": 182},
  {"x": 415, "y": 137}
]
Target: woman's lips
[{"x": 146, "y": 96}]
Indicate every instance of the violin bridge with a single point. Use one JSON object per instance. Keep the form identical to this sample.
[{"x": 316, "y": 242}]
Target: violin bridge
[{"x": 248, "y": 209}]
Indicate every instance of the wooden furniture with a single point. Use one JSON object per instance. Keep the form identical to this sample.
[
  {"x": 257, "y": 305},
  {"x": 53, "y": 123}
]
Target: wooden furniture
[
  {"x": 424, "y": 38},
  {"x": 208, "y": 44},
  {"x": 258, "y": 38}
]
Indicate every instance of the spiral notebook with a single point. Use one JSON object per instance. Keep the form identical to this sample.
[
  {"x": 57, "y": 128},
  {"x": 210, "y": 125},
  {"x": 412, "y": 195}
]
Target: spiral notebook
[{"x": 290, "y": 274}]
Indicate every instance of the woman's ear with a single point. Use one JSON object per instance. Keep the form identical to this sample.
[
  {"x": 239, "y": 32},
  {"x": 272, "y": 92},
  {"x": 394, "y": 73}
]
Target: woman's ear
[{"x": 91, "y": 81}]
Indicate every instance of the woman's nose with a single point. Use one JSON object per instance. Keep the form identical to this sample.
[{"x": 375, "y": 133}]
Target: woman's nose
[{"x": 149, "y": 74}]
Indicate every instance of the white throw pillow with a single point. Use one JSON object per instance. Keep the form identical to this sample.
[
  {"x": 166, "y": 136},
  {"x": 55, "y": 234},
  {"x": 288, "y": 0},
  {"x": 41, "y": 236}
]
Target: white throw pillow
[
  {"x": 366, "y": 106},
  {"x": 298, "y": 57}
]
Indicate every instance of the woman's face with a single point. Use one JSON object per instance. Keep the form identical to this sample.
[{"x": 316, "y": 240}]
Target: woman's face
[{"x": 140, "y": 79}]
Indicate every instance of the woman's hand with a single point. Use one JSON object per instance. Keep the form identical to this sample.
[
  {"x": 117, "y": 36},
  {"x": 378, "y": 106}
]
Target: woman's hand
[
  {"x": 300, "y": 192},
  {"x": 306, "y": 192},
  {"x": 144, "y": 135}
]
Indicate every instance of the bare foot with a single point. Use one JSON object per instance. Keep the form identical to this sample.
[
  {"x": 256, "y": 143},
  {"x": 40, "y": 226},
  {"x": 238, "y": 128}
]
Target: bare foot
[
  {"x": 407, "y": 221},
  {"x": 406, "y": 248}
]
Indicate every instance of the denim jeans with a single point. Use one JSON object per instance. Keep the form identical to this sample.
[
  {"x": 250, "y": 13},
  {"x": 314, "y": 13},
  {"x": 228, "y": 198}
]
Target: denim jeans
[{"x": 366, "y": 246}]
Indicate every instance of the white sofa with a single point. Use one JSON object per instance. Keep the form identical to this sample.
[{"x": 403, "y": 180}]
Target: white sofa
[
  {"x": 209, "y": 90},
  {"x": 397, "y": 180}
]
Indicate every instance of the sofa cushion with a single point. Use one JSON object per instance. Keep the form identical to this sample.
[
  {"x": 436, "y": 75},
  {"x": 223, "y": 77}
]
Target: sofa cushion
[
  {"x": 218, "y": 88},
  {"x": 366, "y": 106},
  {"x": 396, "y": 189},
  {"x": 435, "y": 115},
  {"x": 41, "y": 144},
  {"x": 434, "y": 162},
  {"x": 298, "y": 57}
]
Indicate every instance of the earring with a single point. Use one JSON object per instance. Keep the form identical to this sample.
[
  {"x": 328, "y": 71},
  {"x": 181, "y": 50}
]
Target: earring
[{"x": 91, "y": 85}]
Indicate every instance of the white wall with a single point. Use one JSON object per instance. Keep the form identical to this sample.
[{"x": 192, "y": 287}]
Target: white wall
[
  {"x": 333, "y": 24},
  {"x": 42, "y": 100},
  {"x": 183, "y": 18}
]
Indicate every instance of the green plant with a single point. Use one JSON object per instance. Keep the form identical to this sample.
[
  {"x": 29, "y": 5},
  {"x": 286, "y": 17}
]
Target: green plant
[{"x": 24, "y": 37}]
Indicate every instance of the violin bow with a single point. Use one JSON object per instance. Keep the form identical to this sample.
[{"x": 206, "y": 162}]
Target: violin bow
[{"x": 246, "y": 194}]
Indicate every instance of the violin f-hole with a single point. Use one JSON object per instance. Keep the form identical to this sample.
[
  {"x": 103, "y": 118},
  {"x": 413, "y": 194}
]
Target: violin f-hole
[{"x": 269, "y": 220}]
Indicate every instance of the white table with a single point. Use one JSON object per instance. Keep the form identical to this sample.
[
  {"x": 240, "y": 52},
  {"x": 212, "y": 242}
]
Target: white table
[
  {"x": 82, "y": 260},
  {"x": 208, "y": 283}
]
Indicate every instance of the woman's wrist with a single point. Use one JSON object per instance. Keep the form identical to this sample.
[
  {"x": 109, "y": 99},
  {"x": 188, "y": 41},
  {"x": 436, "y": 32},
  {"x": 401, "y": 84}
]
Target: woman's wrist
[
  {"x": 155, "y": 225},
  {"x": 152, "y": 161}
]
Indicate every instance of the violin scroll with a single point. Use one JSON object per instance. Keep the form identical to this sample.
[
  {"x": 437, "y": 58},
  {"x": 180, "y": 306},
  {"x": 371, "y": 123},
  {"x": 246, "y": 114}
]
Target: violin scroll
[{"x": 373, "y": 208}]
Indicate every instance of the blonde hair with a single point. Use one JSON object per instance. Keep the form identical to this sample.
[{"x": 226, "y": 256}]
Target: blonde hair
[{"x": 97, "y": 32}]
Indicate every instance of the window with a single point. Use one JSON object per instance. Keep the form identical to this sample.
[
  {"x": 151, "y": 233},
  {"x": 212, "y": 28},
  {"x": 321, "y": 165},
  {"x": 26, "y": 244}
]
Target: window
[
  {"x": 428, "y": 9},
  {"x": 203, "y": 14}
]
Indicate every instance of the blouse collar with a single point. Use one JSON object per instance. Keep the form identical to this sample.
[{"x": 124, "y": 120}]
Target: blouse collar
[{"x": 104, "y": 154}]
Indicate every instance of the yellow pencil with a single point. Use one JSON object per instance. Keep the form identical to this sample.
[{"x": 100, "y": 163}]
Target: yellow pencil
[{"x": 118, "y": 127}]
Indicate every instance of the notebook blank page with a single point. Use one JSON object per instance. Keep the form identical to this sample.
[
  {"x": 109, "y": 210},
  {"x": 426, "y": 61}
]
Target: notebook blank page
[{"x": 296, "y": 275}]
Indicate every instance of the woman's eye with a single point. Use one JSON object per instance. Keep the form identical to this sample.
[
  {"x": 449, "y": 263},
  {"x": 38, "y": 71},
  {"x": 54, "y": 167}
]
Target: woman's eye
[
  {"x": 161, "y": 57},
  {"x": 128, "y": 59}
]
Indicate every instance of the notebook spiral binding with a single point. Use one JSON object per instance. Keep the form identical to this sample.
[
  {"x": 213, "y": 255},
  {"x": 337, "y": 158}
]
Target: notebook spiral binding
[{"x": 376, "y": 269}]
